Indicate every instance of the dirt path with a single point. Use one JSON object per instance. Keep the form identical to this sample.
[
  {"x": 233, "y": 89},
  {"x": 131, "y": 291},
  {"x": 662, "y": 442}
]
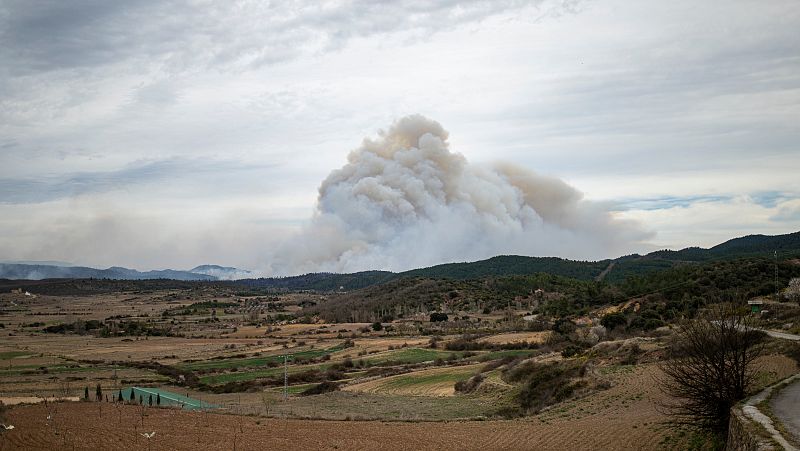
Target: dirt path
[
  {"x": 786, "y": 407},
  {"x": 783, "y": 335},
  {"x": 605, "y": 272}
]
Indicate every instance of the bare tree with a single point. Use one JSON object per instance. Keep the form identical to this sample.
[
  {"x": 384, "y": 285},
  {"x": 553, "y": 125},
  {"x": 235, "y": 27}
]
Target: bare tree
[{"x": 710, "y": 367}]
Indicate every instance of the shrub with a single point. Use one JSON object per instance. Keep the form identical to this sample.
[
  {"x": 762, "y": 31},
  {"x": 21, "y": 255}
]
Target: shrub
[
  {"x": 324, "y": 387},
  {"x": 613, "y": 320},
  {"x": 548, "y": 384},
  {"x": 469, "y": 385},
  {"x": 711, "y": 367},
  {"x": 438, "y": 317},
  {"x": 464, "y": 344},
  {"x": 564, "y": 326},
  {"x": 571, "y": 351}
]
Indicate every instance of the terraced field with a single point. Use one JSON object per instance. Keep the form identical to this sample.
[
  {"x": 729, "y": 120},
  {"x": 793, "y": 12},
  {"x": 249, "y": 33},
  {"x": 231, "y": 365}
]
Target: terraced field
[{"x": 433, "y": 382}]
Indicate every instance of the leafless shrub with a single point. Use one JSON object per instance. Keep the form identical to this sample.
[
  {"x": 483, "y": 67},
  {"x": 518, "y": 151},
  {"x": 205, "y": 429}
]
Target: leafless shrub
[{"x": 710, "y": 367}]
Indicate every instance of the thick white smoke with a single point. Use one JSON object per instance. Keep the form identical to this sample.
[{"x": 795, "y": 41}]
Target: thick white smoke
[{"x": 404, "y": 200}]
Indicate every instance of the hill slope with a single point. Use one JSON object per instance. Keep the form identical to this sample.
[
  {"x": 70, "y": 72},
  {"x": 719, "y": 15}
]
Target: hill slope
[
  {"x": 788, "y": 246},
  {"x": 617, "y": 270}
]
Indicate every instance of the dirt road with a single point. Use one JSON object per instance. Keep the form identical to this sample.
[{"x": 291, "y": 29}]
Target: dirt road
[{"x": 786, "y": 406}]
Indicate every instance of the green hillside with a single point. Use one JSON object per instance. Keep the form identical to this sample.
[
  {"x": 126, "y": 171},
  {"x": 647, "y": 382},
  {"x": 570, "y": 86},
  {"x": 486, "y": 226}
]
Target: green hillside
[
  {"x": 788, "y": 246},
  {"x": 507, "y": 265}
]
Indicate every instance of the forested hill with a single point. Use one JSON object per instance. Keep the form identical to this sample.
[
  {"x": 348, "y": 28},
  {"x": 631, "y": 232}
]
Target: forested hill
[
  {"x": 512, "y": 265},
  {"x": 787, "y": 246},
  {"x": 613, "y": 271},
  {"x": 321, "y": 281}
]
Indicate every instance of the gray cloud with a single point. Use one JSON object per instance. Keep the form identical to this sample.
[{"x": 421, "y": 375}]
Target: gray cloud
[
  {"x": 672, "y": 113},
  {"x": 52, "y": 187},
  {"x": 51, "y": 35}
]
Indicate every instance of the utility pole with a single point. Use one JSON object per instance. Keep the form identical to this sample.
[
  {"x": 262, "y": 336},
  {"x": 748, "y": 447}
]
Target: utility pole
[
  {"x": 285, "y": 376},
  {"x": 777, "y": 290}
]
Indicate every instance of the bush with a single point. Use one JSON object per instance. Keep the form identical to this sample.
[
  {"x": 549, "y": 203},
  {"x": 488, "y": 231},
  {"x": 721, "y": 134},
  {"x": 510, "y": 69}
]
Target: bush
[
  {"x": 712, "y": 367},
  {"x": 612, "y": 320},
  {"x": 438, "y": 317},
  {"x": 571, "y": 351},
  {"x": 464, "y": 344},
  {"x": 470, "y": 384},
  {"x": 564, "y": 326},
  {"x": 546, "y": 383},
  {"x": 324, "y": 387},
  {"x": 377, "y": 326}
]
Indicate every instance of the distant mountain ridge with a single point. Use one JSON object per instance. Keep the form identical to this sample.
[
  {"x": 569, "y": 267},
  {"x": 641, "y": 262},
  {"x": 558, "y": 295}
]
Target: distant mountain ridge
[
  {"x": 38, "y": 272},
  {"x": 221, "y": 272},
  {"x": 612, "y": 270}
]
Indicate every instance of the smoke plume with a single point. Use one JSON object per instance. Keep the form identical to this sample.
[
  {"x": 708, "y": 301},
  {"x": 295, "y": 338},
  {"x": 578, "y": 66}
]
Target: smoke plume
[{"x": 405, "y": 200}]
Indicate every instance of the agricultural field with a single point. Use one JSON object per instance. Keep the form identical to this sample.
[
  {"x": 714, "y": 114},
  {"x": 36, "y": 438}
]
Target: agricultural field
[
  {"x": 278, "y": 375},
  {"x": 622, "y": 418}
]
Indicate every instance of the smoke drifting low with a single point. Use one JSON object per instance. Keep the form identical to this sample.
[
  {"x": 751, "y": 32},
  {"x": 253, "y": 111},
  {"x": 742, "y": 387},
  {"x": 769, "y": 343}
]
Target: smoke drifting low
[{"x": 405, "y": 200}]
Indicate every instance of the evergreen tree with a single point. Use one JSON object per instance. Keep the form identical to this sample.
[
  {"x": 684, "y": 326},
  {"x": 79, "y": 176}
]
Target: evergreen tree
[
  {"x": 86, "y": 393},
  {"x": 158, "y": 399},
  {"x": 119, "y": 396},
  {"x": 98, "y": 393},
  {"x": 151, "y": 399}
]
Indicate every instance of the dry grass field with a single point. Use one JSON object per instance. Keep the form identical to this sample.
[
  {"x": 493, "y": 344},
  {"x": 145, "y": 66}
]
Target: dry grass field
[{"x": 517, "y": 337}]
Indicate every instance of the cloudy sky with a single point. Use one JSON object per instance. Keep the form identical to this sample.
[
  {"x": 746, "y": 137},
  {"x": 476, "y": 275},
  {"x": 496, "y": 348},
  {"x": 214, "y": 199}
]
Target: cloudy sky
[{"x": 155, "y": 134}]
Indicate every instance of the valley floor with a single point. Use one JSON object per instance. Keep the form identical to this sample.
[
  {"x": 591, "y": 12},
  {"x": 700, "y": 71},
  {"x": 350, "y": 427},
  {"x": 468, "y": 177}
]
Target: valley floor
[{"x": 622, "y": 417}]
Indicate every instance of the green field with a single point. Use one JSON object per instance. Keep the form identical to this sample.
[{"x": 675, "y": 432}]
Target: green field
[
  {"x": 409, "y": 356},
  {"x": 414, "y": 381},
  {"x": 14, "y": 354},
  {"x": 241, "y": 376},
  {"x": 492, "y": 355},
  {"x": 420, "y": 355}
]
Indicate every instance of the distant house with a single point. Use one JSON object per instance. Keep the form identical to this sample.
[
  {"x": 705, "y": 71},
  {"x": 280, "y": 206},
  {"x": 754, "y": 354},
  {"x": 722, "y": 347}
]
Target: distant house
[{"x": 755, "y": 305}]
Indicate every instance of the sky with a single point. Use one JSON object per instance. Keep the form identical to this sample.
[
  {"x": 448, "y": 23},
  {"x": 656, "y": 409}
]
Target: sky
[{"x": 168, "y": 134}]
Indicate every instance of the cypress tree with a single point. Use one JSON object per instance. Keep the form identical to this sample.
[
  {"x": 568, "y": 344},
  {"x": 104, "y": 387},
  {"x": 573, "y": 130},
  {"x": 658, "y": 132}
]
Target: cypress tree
[
  {"x": 158, "y": 399},
  {"x": 151, "y": 399}
]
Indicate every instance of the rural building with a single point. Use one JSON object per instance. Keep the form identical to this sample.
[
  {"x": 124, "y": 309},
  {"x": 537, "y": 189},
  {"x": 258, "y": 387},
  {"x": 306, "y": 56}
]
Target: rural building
[{"x": 755, "y": 305}]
